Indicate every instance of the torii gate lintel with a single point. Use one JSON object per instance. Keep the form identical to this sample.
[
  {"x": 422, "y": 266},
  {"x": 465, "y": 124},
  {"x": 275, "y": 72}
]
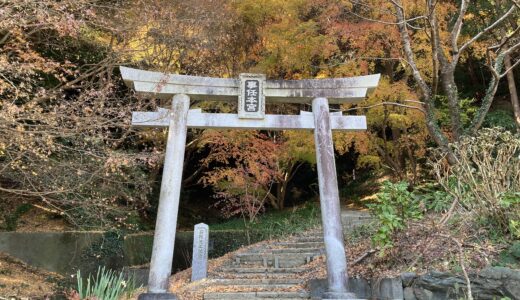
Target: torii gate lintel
[{"x": 200, "y": 120}]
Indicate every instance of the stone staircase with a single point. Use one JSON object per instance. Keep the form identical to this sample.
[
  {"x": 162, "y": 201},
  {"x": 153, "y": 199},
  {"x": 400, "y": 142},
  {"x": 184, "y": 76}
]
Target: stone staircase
[
  {"x": 353, "y": 218},
  {"x": 268, "y": 271},
  {"x": 274, "y": 270}
]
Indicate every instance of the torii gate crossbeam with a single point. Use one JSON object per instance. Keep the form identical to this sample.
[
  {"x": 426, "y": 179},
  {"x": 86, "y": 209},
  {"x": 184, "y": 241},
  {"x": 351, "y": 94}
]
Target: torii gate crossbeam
[{"x": 252, "y": 91}]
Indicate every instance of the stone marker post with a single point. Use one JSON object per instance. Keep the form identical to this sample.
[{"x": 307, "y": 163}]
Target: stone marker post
[
  {"x": 199, "y": 262},
  {"x": 166, "y": 225},
  {"x": 329, "y": 202}
]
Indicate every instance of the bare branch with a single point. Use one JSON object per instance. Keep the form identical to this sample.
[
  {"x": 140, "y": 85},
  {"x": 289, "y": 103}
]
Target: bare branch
[
  {"x": 461, "y": 262},
  {"x": 510, "y": 69},
  {"x": 9, "y": 81},
  {"x": 405, "y": 37},
  {"x": 414, "y": 101},
  {"x": 455, "y": 33},
  {"x": 389, "y": 23},
  {"x": 5, "y": 37},
  {"x": 478, "y": 119},
  {"x": 399, "y": 6},
  {"x": 384, "y": 104},
  {"x": 497, "y": 47},
  {"x": 480, "y": 34},
  {"x": 363, "y": 256},
  {"x": 510, "y": 50}
]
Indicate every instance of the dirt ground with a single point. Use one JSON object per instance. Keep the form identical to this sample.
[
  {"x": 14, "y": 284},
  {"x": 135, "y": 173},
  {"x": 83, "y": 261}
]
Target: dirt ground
[
  {"x": 37, "y": 221},
  {"x": 22, "y": 281}
]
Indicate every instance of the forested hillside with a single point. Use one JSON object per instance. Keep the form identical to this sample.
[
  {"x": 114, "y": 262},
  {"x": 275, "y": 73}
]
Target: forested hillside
[{"x": 449, "y": 69}]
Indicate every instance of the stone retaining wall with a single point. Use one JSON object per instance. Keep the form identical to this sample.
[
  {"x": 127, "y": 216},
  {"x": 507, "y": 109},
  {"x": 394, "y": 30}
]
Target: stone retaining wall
[
  {"x": 493, "y": 283},
  {"x": 66, "y": 252}
]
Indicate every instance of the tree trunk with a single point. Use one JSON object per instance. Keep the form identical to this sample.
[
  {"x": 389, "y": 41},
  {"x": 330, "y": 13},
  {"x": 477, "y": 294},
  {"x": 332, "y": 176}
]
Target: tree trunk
[
  {"x": 426, "y": 95},
  {"x": 282, "y": 190},
  {"x": 391, "y": 163},
  {"x": 389, "y": 69},
  {"x": 450, "y": 89},
  {"x": 488, "y": 98},
  {"x": 512, "y": 90},
  {"x": 273, "y": 201}
]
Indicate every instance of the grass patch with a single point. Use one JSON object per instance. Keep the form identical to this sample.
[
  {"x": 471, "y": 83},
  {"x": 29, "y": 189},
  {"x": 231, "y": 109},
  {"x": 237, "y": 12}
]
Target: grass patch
[{"x": 277, "y": 223}]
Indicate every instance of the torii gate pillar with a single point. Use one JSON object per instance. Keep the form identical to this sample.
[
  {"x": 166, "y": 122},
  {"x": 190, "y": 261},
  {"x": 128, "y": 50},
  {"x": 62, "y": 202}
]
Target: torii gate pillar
[
  {"x": 166, "y": 224},
  {"x": 329, "y": 202}
]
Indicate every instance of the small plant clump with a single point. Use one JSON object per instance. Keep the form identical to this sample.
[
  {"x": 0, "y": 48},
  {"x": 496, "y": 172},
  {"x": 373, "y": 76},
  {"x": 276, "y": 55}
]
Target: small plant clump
[
  {"x": 107, "y": 285},
  {"x": 394, "y": 206}
]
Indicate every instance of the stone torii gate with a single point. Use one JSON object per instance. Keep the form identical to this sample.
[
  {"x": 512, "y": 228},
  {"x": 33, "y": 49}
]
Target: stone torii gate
[{"x": 252, "y": 92}]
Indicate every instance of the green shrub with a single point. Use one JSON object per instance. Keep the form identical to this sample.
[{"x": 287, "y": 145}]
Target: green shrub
[
  {"x": 434, "y": 198},
  {"x": 500, "y": 118},
  {"x": 511, "y": 200},
  {"x": 394, "y": 206},
  {"x": 277, "y": 223},
  {"x": 107, "y": 285}
]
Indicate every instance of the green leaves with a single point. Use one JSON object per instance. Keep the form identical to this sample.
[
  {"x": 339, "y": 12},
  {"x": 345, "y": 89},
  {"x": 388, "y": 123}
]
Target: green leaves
[
  {"x": 435, "y": 198},
  {"x": 394, "y": 206},
  {"x": 107, "y": 285},
  {"x": 500, "y": 118},
  {"x": 509, "y": 199}
]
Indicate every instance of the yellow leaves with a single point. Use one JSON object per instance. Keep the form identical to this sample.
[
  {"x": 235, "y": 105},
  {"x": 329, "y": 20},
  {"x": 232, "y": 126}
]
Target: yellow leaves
[
  {"x": 469, "y": 17},
  {"x": 400, "y": 121},
  {"x": 299, "y": 146},
  {"x": 293, "y": 44},
  {"x": 323, "y": 74},
  {"x": 394, "y": 127},
  {"x": 289, "y": 43},
  {"x": 344, "y": 140},
  {"x": 350, "y": 68},
  {"x": 369, "y": 161},
  {"x": 478, "y": 49},
  {"x": 4, "y": 86}
]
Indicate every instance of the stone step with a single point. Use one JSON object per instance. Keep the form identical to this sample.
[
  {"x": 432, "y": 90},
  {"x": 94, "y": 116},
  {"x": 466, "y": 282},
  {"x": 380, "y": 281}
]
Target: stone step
[
  {"x": 311, "y": 233},
  {"x": 257, "y": 276},
  {"x": 356, "y": 221},
  {"x": 258, "y": 281},
  {"x": 355, "y": 213},
  {"x": 262, "y": 270},
  {"x": 276, "y": 260},
  {"x": 270, "y": 255},
  {"x": 299, "y": 245},
  {"x": 257, "y": 295},
  {"x": 260, "y": 286},
  {"x": 297, "y": 250},
  {"x": 316, "y": 235},
  {"x": 270, "y": 264},
  {"x": 311, "y": 239}
]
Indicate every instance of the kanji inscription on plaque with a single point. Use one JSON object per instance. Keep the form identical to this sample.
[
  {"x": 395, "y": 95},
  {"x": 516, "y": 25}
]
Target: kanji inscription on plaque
[{"x": 251, "y": 103}]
